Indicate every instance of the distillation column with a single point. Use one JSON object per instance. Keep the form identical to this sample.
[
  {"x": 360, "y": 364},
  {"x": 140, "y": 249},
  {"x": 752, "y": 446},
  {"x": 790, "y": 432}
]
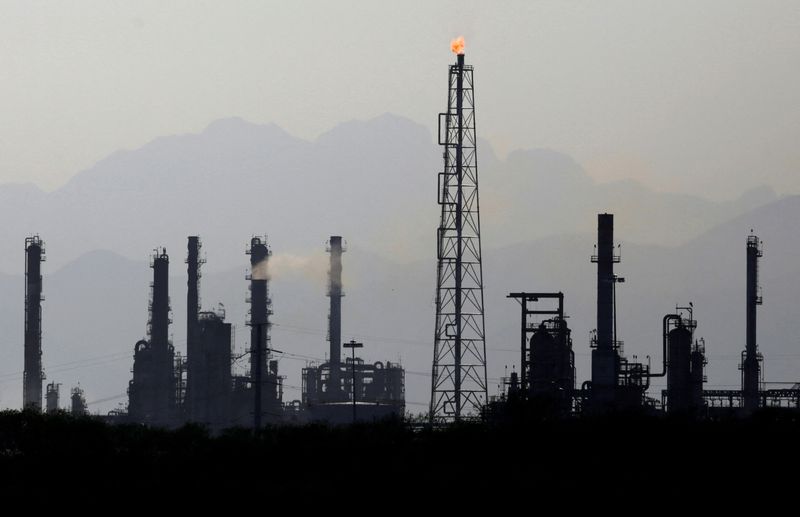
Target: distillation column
[
  {"x": 152, "y": 391},
  {"x": 33, "y": 375},
  {"x": 162, "y": 350},
  {"x": 193, "y": 263},
  {"x": 751, "y": 358}
]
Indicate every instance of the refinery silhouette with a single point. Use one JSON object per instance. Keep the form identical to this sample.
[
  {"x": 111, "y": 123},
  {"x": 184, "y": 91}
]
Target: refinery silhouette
[{"x": 354, "y": 402}]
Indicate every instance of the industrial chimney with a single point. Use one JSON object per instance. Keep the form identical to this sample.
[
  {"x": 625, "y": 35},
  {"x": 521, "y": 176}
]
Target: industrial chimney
[
  {"x": 259, "y": 302},
  {"x": 605, "y": 359},
  {"x": 335, "y": 293}
]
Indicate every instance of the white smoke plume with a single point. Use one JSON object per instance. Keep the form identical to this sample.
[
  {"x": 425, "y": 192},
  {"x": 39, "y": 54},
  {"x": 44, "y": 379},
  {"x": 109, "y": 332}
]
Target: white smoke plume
[{"x": 282, "y": 265}]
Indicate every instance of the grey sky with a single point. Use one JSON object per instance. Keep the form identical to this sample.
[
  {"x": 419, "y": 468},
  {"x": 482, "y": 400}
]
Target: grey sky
[{"x": 680, "y": 95}]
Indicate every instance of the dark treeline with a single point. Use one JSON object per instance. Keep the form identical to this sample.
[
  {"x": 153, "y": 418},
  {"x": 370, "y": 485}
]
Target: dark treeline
[{"x": 620, "y": 456}]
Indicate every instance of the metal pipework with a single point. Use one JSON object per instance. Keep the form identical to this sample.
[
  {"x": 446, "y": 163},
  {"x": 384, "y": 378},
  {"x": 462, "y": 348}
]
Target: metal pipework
[{"x": 664, "y": 333}]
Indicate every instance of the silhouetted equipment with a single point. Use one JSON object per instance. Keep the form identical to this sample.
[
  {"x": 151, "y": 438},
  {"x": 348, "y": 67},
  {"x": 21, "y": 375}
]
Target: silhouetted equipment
[
  {"x": 335, "y": 294},
  {"x": 266, "y": 387},
  {"x": 331, "y": 389},
  {"x": 211, "y": 377},
  {"x": 78, "y": 402},
  {"x": 51, "y": 397},
  {"x": 751, "y": 396},
  {"x": 206, "y": 371},
  {"x": 193, "y": 356},
  {"x": 605, "y": 356},
  {"x": 751, "y": 357},
  {"x": 458, "y": 385},
  {"x": 378, "y": 390},
  {"x": 352, "y": 345},
  {"x": 33, "y": 375},
  {"x": 685, "y": 363},
  {"x": 152, "y": 391},
  {"x": 548, "y": 361},
  {"x": 616, "y": 382},
  {"x": 698, "y": 364},
  {"x": 180, "y": 368}
]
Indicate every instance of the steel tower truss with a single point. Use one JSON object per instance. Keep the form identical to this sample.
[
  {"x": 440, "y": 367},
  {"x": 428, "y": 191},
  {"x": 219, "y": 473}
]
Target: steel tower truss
[{"x": 459, "y": 388}]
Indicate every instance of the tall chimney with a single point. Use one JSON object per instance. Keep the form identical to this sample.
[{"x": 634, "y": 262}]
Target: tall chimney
[
  {"x": 335, "y": 294},
  {"x": 604, "y": 356},
  {"x": 33, "y": 374},
  {"x": 259, "y": 303}
]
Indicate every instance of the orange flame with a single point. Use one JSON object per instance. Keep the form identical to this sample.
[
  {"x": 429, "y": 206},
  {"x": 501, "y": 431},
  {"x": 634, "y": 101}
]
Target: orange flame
[{"x": 457, "y": 45}]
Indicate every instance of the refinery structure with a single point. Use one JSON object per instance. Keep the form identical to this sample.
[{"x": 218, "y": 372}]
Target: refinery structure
[
  {"x": 547, "y": 374},
  {"x": 170, "y": 387}
]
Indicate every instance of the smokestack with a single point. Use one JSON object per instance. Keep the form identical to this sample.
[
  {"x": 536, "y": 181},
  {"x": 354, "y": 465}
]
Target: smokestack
[
  {"x": 604, "y": 356},
  {"x": 605, "y": 281},
  {"x": 335, "y": 293},
  {"x": 259, "y": 302},
  {"x": 751, "y": 367},
  {"x": 33, "y": 374}
]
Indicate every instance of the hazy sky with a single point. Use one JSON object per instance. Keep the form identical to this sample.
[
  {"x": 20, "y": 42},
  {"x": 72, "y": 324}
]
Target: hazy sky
[{"x": 682, "y": 95}]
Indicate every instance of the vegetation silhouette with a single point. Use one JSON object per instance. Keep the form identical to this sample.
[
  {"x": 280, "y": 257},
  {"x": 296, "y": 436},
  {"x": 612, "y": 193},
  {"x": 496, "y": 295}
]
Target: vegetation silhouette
[{"x": 617, "y": 455}]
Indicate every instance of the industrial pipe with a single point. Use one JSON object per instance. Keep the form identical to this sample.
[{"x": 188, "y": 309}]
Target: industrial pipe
[{"x": 665, "y": 331}]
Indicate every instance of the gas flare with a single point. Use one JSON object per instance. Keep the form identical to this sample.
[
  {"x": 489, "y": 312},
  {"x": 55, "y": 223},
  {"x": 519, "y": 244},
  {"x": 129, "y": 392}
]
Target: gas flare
[{"x": 457, "y": 45}]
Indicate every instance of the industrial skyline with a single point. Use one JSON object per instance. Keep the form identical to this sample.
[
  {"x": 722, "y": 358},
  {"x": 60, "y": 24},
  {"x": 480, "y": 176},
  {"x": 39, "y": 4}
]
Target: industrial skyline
[
  {"x": 311, "y": 250},
  {"x": 169, "y": 387}
]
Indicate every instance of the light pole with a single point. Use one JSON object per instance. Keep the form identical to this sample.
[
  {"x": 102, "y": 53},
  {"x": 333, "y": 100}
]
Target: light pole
[{"x": 353, "y": 345}]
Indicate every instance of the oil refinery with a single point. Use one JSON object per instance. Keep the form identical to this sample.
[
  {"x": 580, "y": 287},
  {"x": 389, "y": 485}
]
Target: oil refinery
[{"x": 171, "y": 387}]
